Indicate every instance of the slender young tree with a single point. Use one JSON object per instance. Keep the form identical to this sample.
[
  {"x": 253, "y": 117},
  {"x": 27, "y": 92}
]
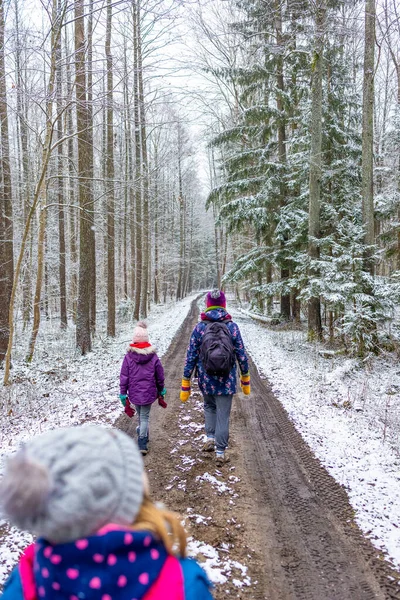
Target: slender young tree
[
  {"x": 182, "y": 208},
  {"x": 145, "y": 173},
  {"x": 6, "y": 215},
  {"x": 24, "y": 157}
]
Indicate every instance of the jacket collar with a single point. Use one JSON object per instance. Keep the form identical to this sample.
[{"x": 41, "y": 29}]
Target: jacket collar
[{"x": 148, "y": 350}]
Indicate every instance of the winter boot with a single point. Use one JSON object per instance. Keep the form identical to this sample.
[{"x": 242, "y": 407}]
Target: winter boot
[
  {"x": 221, "y": 458},
  {"x": 209, "y": 445}
]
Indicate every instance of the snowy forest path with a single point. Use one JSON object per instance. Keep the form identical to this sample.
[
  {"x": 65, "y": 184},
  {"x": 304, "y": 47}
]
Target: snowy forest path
[{"x": 278, "y": 524}]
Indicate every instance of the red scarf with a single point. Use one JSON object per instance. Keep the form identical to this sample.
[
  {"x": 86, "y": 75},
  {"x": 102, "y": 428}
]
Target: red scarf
[{"x": 140, "y": 345}]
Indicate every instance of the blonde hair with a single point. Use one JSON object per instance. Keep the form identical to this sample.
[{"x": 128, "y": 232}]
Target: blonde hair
[{"x": 165, "y": 524}]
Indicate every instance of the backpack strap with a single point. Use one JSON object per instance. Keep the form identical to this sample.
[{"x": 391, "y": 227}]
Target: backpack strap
[
  {"x": 26, "y": 573},
  {"x": 171, "y": 579}
]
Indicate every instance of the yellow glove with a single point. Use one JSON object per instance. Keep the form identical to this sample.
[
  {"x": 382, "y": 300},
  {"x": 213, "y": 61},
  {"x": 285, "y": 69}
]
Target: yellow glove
[
  {"x": 245, "y": 383},
  {"x": 185, "y": 390}
]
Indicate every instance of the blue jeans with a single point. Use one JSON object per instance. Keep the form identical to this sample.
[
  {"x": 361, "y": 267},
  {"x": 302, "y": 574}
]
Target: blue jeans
[
  {"x": 217, "y": 411},
  {"x": 144, "y": 416}
]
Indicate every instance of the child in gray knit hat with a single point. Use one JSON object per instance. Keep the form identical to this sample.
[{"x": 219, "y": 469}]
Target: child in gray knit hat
[{"x": 100, "y": 537}]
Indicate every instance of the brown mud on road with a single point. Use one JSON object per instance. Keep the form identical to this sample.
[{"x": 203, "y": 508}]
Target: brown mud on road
[{"x": 273, "y": 519}]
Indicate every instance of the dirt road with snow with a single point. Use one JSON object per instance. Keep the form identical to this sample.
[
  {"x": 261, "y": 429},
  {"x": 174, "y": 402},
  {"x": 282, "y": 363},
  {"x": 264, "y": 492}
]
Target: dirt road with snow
[{"x": 273, "y": 524}]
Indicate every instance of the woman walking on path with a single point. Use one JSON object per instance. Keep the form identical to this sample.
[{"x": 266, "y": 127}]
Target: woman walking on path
[
  {"x": 214, "y": 350},
  {"x": 83, "y": 491},
  {"x": 141, "y": 381}
]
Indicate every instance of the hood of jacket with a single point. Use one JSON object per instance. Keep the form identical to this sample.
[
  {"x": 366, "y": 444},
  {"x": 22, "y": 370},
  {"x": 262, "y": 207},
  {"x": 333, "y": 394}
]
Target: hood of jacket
[
  {"x": 116, "y": 562},
  {"x": 215, "y": 314},
  {"x": 141, "y": 355}
]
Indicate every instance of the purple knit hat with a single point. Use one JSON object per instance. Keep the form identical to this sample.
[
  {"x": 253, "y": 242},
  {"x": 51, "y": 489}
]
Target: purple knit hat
[{"x": 216, "y": 298}]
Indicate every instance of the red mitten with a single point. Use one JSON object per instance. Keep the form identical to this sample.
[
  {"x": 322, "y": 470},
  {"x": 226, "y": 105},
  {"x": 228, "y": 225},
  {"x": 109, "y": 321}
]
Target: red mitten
[
  {"x": 129, "y": 410},
  {"x": 162, "y": 402}
]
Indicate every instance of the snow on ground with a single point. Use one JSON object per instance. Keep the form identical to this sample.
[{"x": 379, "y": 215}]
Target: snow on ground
[
  {"x": 218, "y": 569},
  {"x": 349, "y": 414}
]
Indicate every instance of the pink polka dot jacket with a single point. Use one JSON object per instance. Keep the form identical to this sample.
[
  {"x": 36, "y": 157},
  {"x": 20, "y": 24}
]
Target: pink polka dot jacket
[
  {"x": 207, "y": 383},
  {"x": 114, "y": 564}
]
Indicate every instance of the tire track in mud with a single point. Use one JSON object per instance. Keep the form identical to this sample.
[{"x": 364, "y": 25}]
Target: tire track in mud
[
  {"x": 288, "y": 521},
  {"x": 325, "y": 554}
]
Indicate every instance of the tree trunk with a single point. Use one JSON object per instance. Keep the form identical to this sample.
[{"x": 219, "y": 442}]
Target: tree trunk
[
  {"x": 90, "y": 159},
  {"x": 182, "y": 208},
  {"x": 83, "y": 333},
  {"x": 126, "y": 175},
  {"x": 60, "y": 192},
  {"x": 367, "y": 189},
  {"x": 285, "y": 296},
  {"x": 156, "y": 218},
  {"x": 73, "y": 242},
  {"x": 6, "y": 216},
  {"x": 130, "y": 215},
  {"x": 314, "y": 304},
  {"x": 138, "y": 173},
  {"x": 39, "y": 276},
  {"x": 110, "y": 182},
  {"x": 24, "y": 178},
  {"x": 145, "y": 175}
]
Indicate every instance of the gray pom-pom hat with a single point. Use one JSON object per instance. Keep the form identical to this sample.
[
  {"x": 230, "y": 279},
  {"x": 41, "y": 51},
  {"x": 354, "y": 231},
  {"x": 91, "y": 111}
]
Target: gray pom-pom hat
[{"x": 68, "y": 483}]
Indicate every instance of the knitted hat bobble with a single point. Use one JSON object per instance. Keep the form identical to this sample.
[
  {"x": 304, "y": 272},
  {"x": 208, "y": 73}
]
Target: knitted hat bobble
[
  {"x": 68, "y": 483},
  {"x": 216, "y": 298},
  {"x": 140, "y": 333}
]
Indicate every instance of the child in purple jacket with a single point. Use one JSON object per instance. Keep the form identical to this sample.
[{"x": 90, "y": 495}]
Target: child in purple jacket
[{"x": 142, "y": 381}]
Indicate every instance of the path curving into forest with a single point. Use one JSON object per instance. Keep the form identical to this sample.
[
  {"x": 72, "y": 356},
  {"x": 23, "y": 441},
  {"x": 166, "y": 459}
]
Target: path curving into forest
[{"x": 274, "y": 509}]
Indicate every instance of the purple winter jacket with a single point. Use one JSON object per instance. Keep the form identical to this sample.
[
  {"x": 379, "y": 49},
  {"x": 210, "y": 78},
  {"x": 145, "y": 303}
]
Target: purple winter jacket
[{"x": 142, "y": 375}]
